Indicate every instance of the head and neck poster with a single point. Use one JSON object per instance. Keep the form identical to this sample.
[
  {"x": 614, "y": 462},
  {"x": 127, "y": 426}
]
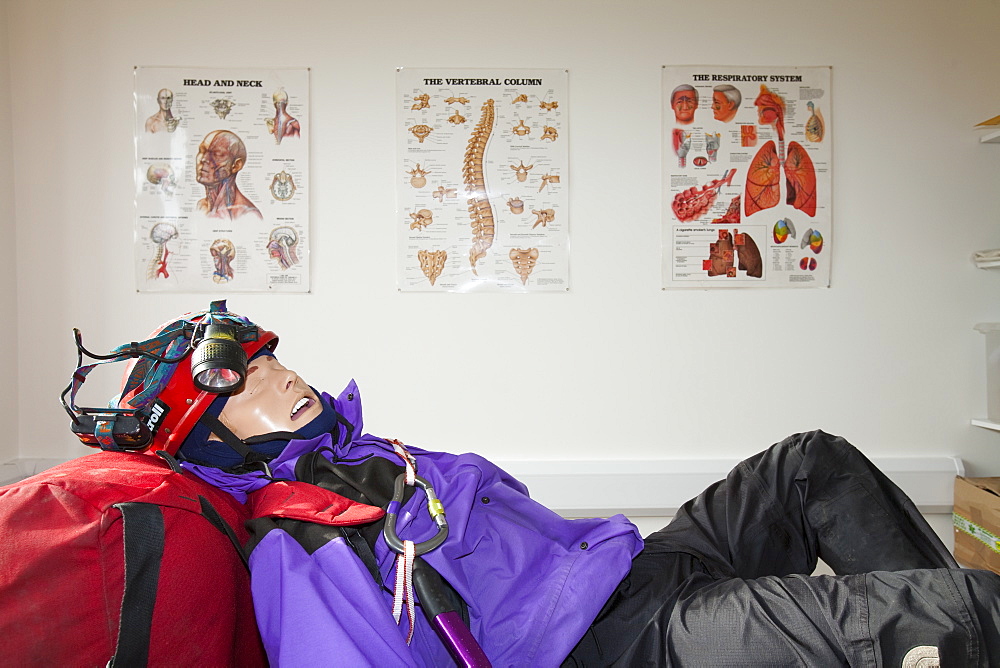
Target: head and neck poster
[{"x": 221, "y": 173}]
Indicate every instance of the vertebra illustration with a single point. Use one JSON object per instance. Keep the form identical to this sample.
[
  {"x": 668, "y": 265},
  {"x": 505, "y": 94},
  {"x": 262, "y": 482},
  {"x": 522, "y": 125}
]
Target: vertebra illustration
[
  {"x": 547, "y": 179},
  {"x": 474, "y": 178},
  {"x": 421, "y": 132},
  {"x": 521, "y": 171},
  {"x": 418, "y": 176},
  {"x": 441, "y": 193},
  {"x": 222, "y": 107},
  {"x": 421, "y": 219},
  {"x": 524, "y": 260},
  {"x": 432, "y": 263},
  {"x": 545, "y": 216}
]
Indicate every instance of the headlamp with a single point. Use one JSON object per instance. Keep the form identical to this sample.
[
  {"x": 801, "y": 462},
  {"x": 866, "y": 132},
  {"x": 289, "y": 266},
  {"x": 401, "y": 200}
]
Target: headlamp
[{"x": 219, "y": 363}]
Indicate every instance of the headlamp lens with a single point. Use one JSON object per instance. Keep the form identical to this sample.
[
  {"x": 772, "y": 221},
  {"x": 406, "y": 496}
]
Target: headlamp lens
[{"x": 219, "y": 363}]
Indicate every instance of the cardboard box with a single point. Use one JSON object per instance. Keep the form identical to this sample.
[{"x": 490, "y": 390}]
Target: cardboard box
[{"x": 977, "y": 522}]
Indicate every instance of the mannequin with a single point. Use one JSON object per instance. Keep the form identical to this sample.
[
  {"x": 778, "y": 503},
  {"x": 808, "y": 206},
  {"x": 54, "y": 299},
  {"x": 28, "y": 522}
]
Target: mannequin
[{"x": 738, "y": 554}]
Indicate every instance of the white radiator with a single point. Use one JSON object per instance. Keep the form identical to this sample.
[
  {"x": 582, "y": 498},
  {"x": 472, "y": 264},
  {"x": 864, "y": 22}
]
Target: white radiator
[{"x": 656, "y": 488}]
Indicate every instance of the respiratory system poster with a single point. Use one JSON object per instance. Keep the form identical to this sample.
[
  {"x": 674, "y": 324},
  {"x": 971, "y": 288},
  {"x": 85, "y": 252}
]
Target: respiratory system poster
[{"x": 746, "y": 177}]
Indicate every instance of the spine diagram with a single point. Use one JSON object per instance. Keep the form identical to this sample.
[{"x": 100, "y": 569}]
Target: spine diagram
[{"x": 474, "y": 178}]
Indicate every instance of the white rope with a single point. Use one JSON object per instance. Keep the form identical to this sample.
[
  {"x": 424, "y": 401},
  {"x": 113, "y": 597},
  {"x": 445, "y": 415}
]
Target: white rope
[
  {"x": 404, "y": 587},
  {"x": 411, "y": 463}
]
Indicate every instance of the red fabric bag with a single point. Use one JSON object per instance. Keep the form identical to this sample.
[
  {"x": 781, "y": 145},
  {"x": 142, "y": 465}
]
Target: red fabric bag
[{"x": 116, "y": 557}]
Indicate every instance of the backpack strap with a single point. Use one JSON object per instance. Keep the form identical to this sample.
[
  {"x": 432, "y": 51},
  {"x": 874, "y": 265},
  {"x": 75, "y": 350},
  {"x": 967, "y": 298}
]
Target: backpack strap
[
  {"x": 143, "y": 536},
  {"x": 209, "y": 512}
]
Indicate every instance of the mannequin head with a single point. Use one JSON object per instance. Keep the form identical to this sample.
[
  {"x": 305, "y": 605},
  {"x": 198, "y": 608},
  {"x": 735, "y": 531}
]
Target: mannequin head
[{"x": 273, "y": 399}]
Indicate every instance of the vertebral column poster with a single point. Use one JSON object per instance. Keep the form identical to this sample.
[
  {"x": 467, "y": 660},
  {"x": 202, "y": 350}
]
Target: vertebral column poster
[
  {"x": 746, "y": 176},
  {"x": 481, "y": 175}
]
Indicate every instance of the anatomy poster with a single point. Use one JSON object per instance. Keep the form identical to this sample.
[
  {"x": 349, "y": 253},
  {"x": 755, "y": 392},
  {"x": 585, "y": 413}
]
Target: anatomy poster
[
  {"x": 482, "y": 177},
  {"x": 746, "y": 177},
  {"x": 222, "y": 179}
]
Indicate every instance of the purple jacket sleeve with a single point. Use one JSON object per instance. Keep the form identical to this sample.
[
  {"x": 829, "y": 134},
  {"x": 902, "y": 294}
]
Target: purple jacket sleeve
[{"x": 293, "y": 590}]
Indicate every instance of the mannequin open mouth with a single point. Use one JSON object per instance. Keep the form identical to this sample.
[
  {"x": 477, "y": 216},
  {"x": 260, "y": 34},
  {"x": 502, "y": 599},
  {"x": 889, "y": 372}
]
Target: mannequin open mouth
[{"x": 301, "y": 407}]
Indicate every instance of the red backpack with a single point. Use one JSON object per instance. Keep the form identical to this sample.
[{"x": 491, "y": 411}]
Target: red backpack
[{"x": 115, "y": 559}]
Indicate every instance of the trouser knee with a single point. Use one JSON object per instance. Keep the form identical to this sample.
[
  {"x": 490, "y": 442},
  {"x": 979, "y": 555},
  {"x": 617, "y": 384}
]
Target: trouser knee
[
  {"x": 819, "y": 446},
  {"x": 984, "y": 591}
]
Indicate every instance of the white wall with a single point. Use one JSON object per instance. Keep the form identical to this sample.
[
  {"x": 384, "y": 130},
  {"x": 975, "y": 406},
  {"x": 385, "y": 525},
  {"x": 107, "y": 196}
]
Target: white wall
[
  {"x": 8, "y": 267},
  {"x": 615, "y": 367}
]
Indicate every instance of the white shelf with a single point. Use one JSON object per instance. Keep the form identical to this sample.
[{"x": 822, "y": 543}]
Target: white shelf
[
  {"x": 992, "y": 137},
  {"x": 986, "y": 424}
]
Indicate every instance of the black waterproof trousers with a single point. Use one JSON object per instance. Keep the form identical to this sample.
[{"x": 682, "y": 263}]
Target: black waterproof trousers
[{"x": 727, "y": 582}]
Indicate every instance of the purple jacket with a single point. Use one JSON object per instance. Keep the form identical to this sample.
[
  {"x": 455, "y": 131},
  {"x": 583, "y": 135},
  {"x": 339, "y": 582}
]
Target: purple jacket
[{"x": 533, "y": 581}]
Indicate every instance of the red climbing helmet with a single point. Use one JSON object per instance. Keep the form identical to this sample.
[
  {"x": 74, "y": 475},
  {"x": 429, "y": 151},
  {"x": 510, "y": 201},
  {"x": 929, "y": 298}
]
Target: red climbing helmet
[{"x": 170, "y": 380}]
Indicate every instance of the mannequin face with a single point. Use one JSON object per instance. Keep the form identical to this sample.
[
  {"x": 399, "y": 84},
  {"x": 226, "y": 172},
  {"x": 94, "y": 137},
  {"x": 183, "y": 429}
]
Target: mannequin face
[{"x": 272, "y": 399}]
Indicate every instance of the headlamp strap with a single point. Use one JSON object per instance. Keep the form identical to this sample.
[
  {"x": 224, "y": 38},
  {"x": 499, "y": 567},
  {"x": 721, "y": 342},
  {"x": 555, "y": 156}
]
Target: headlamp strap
[
  {"x": 150, "y": 374},
  {"x": 152, "y": 379},
  {"x": 104, "y": 432}
]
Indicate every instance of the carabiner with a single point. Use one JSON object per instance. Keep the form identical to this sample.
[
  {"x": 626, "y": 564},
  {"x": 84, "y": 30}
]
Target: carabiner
[{"x": 434, "y": 507}]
